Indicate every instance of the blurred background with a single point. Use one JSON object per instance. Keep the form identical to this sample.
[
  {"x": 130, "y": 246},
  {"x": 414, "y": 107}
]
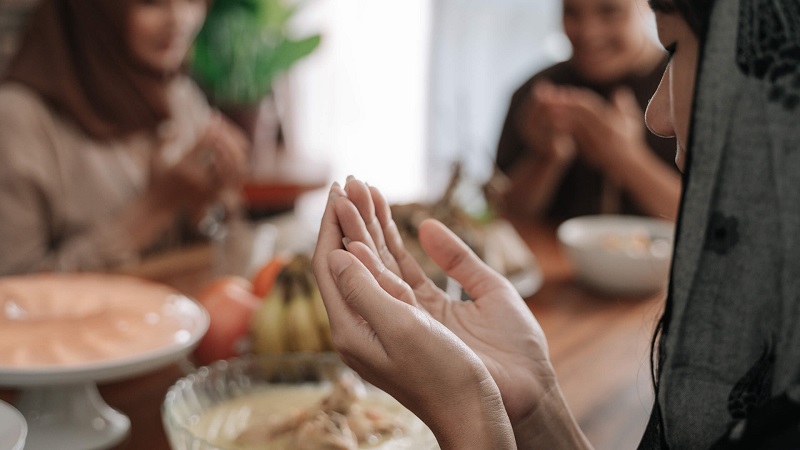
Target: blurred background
[{"x": 398, "y": 90}]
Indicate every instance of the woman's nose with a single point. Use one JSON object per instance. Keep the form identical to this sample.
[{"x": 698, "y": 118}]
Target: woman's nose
[{"x": 658, "y": 116}]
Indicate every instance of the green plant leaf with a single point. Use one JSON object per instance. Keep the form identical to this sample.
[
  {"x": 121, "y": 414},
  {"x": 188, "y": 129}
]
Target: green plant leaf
[{"x": 243, "y": 46}]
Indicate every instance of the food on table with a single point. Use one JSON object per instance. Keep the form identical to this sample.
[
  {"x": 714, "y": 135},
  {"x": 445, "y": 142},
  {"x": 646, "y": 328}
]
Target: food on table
[
  {"x": 292, "y": 316},
  {"x": 409, "y": 216},
  {"x": 63, "y": 320},
  {"x": 635, "y": 243},
  {"x": 230, "y": 303},
  {"x": 265, "y": 276},
  {"x": 344, "y": 415},
  {"x": 280, "y": 310},
  {"x": 495, "y": 241}
]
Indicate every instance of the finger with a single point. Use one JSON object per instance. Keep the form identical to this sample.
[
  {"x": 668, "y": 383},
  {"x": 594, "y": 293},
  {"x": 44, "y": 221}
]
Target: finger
[
  {"x": 388, "y": 280},
  {"x": 542, "y": 90},
  {"x": 223, "y": 162},
  {"x": 625, "y": 101},
  {"x": 450, "y": 253},
  {"x": 328, "y": 240},
  {"x": 383, "y": 212},
  {"x": 359, "y": 194},
  {"x": 587, "y": 116},
  {"x": 406, "y": 266},
  {"x": 352, "y": 223},
  {"x": 330, "y": 234},
  {"x": 230, "y": 156}
]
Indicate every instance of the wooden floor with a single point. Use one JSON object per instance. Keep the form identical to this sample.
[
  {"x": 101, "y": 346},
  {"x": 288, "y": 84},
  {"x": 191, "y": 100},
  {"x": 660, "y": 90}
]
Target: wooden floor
[{"x": 599, "y": 346}]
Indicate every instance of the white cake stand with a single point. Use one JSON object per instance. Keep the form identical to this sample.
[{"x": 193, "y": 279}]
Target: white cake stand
[
  {"x": 61, "y": 403},
  {"x": 13, "y": 428}
]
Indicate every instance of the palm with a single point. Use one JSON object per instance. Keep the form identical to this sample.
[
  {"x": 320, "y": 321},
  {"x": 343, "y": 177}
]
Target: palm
[{"x": 500, "y": 328}]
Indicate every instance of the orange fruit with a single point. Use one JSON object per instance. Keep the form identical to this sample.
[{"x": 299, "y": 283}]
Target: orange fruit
[
  {"x": 264, "y": 278},
  {"x": 230, "y": 303}
]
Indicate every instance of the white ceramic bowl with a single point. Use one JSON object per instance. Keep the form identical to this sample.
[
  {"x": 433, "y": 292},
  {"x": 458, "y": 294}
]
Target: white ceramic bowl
[
  {"x": 619, "y": 255},
  {"x": 207, "y": 409}
]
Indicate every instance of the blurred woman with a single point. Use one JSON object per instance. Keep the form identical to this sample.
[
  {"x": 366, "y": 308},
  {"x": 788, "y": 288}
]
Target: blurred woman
[
  {"x": 727, "y": 364},
  {"x": 574, "y": 140},
  {"x": 108, "y": 152}
]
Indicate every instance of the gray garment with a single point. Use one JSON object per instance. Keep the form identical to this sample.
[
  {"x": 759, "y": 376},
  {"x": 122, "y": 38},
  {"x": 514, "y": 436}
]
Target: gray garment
[{"x": 736, "y": 274}]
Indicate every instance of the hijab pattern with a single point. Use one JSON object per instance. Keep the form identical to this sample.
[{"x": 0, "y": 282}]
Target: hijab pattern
[
  {"x": 735, "y": 279},
  {"x": 768, "y": 47}
]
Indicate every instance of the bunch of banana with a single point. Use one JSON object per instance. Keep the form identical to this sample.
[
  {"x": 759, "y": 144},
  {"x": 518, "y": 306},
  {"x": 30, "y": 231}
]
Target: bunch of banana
[{"x": 292, "y": 317}]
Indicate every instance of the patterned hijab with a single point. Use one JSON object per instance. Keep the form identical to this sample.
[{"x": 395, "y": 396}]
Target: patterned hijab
[
  {"x": 75, "y": 54},
  {"x": 729, "y": 374}
]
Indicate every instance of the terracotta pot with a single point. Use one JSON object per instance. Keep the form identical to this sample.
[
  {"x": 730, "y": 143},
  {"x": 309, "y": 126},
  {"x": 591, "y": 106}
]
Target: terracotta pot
[{"x": 261, "y": 123}]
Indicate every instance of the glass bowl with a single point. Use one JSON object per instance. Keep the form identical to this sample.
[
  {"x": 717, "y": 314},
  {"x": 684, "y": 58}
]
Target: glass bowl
[{"x": 255, "y": 395}]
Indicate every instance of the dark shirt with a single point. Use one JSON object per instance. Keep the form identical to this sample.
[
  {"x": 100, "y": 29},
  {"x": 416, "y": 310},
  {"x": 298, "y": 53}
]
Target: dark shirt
[{"x": 581, "y": 188}]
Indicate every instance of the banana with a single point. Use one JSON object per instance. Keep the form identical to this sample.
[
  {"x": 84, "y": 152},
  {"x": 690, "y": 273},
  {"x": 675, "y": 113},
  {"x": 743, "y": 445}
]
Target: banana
[
  {"x": 267, "y": 327},
  {"x": 292, "y": 317},
  {"x": 321, "y": 316},
  {"x": 302, "y": 333}
]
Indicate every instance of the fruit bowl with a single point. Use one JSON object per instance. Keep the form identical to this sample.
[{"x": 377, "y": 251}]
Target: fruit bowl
[
  {"x": 274, "y": 402},
  {"x": 619, "y": 255}
]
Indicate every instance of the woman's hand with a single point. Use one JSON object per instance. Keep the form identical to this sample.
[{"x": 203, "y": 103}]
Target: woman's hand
[
  {"x": 381, "y": 333},
  {"x": 230, "y": 148},
  {"x": 497, "y": 325},
  {"x": 214, "y": 164}
]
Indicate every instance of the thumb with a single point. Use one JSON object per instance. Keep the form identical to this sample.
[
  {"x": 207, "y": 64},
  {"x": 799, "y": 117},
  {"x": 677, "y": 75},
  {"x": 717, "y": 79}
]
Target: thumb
[
  {"x": 455, "y": 257},
  {"x": 361, "y": 292}
]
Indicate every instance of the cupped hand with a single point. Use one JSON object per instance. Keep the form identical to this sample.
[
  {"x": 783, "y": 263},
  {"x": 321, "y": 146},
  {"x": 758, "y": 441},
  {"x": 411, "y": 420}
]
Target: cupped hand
[
  {"x": 543, "y": 124},
  {"x": 380, "y": 333},
  {"x": 609, "y": 133},
  {"x": 230, "y": 148},
  {"x": 215, "y": 164},
  {"x": 496, "y": 325}
]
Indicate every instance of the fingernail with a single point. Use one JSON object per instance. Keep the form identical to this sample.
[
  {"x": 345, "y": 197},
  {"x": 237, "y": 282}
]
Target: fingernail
[
  {"x": 339, "y": 261},
  {"x": 346, "y": 242},
  {"x": 350, "y": 178}
]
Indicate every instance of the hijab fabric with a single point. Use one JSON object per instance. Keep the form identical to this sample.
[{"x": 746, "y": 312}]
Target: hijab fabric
[
  {"x": 74, "y": 53},
  {"x": 730, "y": 373}
]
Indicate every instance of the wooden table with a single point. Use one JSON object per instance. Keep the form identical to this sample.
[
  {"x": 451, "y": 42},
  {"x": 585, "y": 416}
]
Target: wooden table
[{"x": 599, "y": 348}]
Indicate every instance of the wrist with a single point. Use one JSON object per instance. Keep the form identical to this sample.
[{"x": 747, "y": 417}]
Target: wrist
[
  {"x": 146, "y": 219},
  {"x": 476, "y": 420},
  {"x": 629, "y": 165},
  {"x": 550, "y": 424}
]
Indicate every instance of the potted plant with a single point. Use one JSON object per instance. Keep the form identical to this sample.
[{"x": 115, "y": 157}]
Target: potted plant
[{"x": 243, "y": 47}]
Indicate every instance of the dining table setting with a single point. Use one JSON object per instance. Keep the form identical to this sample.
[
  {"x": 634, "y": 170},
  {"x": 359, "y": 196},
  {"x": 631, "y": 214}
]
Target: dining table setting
[{"x": 599, "y": 342}]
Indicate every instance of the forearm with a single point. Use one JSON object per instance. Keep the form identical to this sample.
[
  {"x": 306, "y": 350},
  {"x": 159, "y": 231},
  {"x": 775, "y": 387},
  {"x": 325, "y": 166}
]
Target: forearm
[
  {"x": 654, "y": 185},
  {"x": 36, "y": 239},
  {"x": 480, "y": 423},
  {"x": 144, "y": 221},
  {"x": 550, "y": 425},
  {"x": 116, "y": 242},
  {"x": 534, "y": 183}
]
